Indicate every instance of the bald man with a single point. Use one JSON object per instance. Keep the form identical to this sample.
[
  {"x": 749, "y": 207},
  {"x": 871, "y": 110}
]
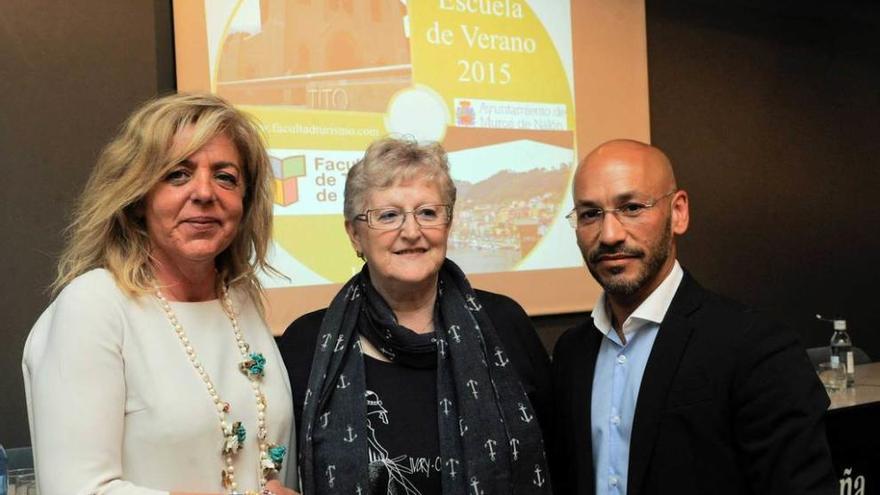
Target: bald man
[{"x": 669, "y": 388}]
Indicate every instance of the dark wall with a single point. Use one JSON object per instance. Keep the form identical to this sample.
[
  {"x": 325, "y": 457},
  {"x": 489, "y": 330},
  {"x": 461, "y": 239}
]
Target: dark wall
[
  {"x": 69, "y": 74},
  {"x": 770, "y": 114}
]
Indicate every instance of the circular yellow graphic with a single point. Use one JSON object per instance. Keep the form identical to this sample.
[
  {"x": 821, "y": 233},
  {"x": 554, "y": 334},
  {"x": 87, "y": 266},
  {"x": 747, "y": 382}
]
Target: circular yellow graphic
[{"x": 490, "y": 80}]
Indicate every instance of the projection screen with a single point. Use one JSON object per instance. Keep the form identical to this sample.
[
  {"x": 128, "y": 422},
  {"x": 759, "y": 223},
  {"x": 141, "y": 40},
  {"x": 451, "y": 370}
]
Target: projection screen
[{"x": 516, "y": 91}]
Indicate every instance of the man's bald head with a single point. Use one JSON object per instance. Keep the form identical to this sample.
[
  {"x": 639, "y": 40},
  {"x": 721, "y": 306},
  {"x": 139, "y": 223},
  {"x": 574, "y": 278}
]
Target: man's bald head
[{"x": 655, "y": 165}]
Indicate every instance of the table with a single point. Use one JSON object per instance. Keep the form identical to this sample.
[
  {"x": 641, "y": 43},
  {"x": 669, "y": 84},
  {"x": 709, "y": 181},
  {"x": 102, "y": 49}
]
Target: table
[
  {"x": 868, "y": 374},
  {"x": 866, "y": 390},
  {"x": 853, "y": 427}
]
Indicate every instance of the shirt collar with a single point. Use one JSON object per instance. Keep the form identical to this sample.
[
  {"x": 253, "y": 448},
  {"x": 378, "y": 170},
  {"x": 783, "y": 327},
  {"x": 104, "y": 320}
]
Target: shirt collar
[{"x": 652, "y": 310}]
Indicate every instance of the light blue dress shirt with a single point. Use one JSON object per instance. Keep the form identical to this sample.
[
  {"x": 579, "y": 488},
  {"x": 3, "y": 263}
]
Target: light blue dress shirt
[{"x": 617, "y": 378}]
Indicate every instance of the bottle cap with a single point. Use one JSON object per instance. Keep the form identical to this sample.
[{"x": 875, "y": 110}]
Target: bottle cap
[{"x": 838, "y": 323}]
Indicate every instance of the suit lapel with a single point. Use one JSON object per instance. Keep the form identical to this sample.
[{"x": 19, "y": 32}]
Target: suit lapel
[
  {"x": 671, "y": 341},
  {"x": 582, "y": 394}
]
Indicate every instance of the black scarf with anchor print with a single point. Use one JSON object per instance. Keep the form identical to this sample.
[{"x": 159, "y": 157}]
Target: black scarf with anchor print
[{"x": 490, "y": 441}]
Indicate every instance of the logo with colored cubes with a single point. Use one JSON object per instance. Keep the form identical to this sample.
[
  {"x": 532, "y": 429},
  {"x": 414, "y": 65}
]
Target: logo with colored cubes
[{"x": 287, "y": 171}]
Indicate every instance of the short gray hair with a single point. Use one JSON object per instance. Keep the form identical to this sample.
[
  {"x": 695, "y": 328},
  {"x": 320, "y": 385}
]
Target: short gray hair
[{"x": 390, "y": 161}]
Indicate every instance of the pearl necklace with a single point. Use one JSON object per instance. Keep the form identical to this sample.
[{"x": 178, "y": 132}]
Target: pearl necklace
[{"x": 252, "y": 365}]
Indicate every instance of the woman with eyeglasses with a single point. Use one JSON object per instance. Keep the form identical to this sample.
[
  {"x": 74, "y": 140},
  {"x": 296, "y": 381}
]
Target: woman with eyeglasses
[{"x": 412, "y": 382}]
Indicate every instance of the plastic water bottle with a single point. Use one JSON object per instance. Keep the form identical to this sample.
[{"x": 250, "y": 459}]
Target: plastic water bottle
[
  {"x": 4, "y": 471},
  {"x": 841, "y": 346},
  {"x": 841, "y": 349}
]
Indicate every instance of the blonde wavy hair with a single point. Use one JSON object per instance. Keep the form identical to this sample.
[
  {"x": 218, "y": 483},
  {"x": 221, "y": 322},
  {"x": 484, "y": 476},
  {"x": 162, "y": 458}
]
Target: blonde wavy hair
[{"x": 108, "y": 230}]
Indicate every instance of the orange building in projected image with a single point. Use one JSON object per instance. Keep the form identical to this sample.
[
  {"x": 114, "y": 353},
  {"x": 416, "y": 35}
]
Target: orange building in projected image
[{"x": 319, "y": 54}]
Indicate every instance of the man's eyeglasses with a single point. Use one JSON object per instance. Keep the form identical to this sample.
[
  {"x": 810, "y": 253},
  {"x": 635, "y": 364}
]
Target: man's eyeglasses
[
  {"x": 625, "y": 213},
  {"x": 391, "y": 218}
]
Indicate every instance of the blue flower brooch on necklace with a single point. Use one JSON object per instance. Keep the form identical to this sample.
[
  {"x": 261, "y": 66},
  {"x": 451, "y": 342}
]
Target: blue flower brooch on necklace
[{"x": 253, "y": 366}]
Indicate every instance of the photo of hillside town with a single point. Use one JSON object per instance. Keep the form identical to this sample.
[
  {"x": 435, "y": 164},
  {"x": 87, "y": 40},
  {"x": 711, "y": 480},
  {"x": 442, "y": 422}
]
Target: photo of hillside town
[{"x": 499, "y": 220}]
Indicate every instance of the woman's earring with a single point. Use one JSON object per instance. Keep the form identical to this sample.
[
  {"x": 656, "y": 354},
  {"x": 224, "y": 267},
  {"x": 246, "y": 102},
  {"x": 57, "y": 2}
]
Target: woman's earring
[{"x": 360, "y": 255}]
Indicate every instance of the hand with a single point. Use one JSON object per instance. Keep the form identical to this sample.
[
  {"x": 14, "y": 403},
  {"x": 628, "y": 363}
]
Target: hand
[{"x": 277, "y": 488}]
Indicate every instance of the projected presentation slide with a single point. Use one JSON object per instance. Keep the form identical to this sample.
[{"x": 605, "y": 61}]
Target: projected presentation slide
[{"x": 492, "y": 80}]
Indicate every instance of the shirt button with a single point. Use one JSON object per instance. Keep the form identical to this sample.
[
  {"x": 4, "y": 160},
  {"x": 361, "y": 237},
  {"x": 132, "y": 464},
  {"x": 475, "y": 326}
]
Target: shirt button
[
  {"x": 621, "y": 359},
  {"x": 615, "y": 420},
  {"x": 613, "y": 481}
]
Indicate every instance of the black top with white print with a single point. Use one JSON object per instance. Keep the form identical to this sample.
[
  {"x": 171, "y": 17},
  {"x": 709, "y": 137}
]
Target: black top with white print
[{"x": 403, "y": 443}]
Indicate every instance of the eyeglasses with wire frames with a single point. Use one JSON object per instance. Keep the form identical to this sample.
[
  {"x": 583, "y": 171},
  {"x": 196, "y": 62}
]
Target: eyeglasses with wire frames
[
  {"x": 392, "y": 218},
  {"x": 625, "y": 213}
]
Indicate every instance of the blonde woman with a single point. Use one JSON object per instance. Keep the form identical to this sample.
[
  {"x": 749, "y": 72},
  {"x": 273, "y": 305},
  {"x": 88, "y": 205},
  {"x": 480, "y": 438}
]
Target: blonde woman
[{"x": 153, "y": 370}]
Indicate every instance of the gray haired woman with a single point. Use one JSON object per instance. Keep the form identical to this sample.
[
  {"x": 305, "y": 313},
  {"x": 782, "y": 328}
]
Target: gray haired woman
[{"x": 411, "y": 381}]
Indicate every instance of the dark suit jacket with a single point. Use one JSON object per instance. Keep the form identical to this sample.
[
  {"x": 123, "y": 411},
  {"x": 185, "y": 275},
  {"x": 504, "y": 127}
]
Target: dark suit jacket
[{"x": 729, "y": 403}]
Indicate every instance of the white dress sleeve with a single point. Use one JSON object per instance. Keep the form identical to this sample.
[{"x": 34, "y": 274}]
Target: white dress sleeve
[{"x": 76, "y": 389}]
